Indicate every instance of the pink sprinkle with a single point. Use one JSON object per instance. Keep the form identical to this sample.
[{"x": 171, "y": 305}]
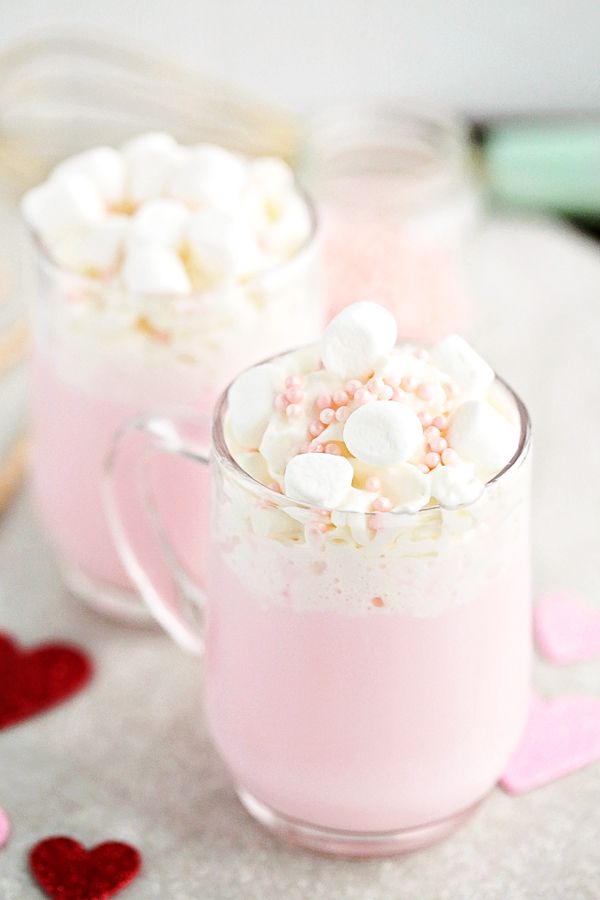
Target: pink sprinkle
[
  {"x": 342, "y": 414},
  {"x": 431, "y": 433},
  {"x": 315, "y": 428},
  {"x": 425, "y": 391},
  {"x": 423, "y": 468},
  {"x": 294, "y": 394},
  {"x": 450, "y": 457},
  {"x": 323, "y": 401},
  {"x": 280, "y": 403},
  {"x": 432, "y": 460},
  {"x": 373, "y": 484},
  {"x": 363, "y": 396},
  {"x": 382, "y": 504},
  {"x": 340, "y": 398},
  {"x": 293, "y": 381},
  {"x": 353, "y": 386},
  {"x": 293, "y": 410},
  {"x": 333, "y": 448},
  {"x": 438, "y": 444},
  {"x": 327, "y": 416},
  {"x": 440, "y": 422},
  {"x": 408, "y": 383},
  {"x": 425, "y": 418}
]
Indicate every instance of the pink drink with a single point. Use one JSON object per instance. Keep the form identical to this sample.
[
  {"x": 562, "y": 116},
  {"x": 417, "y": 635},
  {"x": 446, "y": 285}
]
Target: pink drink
[
  {"x": 73, "y": 427},
  {"x": 371, "y": 720}
]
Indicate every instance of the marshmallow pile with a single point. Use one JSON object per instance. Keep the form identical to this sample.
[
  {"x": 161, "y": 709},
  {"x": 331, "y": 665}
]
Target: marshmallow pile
[
  {"x": 160, "y": 218},
  {"x": 358, "y": 425}
]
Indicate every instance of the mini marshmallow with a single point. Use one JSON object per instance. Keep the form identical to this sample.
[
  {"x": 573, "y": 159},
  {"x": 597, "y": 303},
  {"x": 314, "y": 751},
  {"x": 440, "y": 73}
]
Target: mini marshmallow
[
  {"x": 149, "y": 160},
  {"x": 104, "y": 166},
  {"x": 454, "y": 486},
  {"x": 63, "y": 206},
  {"x": 208, "y": 176},
  {"x": 382, "y": 433},
  {"x": 356, "y": 341},
  {"x": 480, "y": 435},
  {"x": 153, "y": 269},
  {"x": 160, "y": 221},
  {"x": 454, "y": 356},
  {"x": 318, "y": 479},
  {"x": 220, "y": 247},
  {"x": 250, "y": 402},
  {"x": 96, "y": 251}
]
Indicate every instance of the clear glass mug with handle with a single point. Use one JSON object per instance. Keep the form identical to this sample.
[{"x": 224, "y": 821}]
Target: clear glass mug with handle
[{"x": 364, "y": 698}]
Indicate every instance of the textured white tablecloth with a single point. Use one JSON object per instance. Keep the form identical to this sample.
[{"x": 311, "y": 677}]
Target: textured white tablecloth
[{"x": 129, "y": 757}]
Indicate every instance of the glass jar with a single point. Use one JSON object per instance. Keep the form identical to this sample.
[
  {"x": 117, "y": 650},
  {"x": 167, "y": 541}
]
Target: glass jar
[{"x": 399, "y": 205}]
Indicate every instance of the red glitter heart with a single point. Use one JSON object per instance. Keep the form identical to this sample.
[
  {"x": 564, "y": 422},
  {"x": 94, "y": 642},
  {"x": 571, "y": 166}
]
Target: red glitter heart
[
  {"x": 67, "y": 871},
  {"x": 33, "y": 680}
]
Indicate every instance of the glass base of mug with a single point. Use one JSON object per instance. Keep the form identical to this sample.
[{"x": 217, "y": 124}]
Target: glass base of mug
[
  {"x": 115, "y": 603},
  {"x": 334, "y": 842}
]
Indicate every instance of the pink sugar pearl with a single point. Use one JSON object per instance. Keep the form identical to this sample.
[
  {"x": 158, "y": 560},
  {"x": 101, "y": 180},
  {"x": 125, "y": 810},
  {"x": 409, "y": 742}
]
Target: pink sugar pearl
[
  {"x": 363, "y": 396},
  {"x": 425, "y": 418},
  {"x": 327, "y": 416},
  {"x": 333, "y": 448},
  {"x": 386, "y": 393},
  {"x": 399, "y": 395},
  {"x": 423, "y": 468},
  {"x": 323, "y": 401},
  {"x": 353, "y": 386},
  {"x": 280, "y": 403},
  {"x": 382, "y": 504},
  {"x": 431, "y": 433},
  {"x": 293, "y": 381},
  {"x": 440, "y": 422},
  {"x": 341, "y": 414},
  {"x": 376, "y": 385},
  {"x": 340, "y": 398},
  {"x": 293, "y": 410},
  {"x": 432, "y": 460},
  {"x": 373, "y": 484},
  {"x": 294, "y": 394},
  {"x": 425, "y": 391},
  {"x": 450, "y": 457},
  {"x": 315, "y": 428},
  {"x": 316, "y": 448},
  {"x": 438, "y": 444}
]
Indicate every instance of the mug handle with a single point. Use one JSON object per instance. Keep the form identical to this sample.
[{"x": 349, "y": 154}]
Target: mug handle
[{"x": 172, "y": 595}]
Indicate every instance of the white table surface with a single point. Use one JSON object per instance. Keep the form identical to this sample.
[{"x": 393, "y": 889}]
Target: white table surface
[{"x": 129, "y": 757}]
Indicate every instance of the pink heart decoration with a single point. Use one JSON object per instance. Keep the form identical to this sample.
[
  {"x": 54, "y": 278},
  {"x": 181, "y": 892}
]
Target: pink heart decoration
[
  {"x": 4, "y": 828},
  {"x": 561, "y": 736},
  {"x": 566, "y": 630}
]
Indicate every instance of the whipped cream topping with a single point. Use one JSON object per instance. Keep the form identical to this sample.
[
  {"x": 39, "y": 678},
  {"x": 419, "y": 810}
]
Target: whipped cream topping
[
  {"x": 357, "y": 427},
  {"x": 158, "y": 218}
]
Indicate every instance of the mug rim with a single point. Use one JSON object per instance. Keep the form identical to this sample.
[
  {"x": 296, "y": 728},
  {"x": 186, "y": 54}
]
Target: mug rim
[{"x": 221, "y": 451}]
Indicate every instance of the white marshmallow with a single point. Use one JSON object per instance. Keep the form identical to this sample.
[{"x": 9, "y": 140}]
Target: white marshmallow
[
  {"x": 383, "y": 433},
  {"x": 320, "y": 479},
  {"x": 160, "y": 221},
  {"x": 153, "y": 269},
  {"x": 149, "y": 160},
  {"x": 250, "y": 402},
  {"x": 358, "y": 339},
  {"x": 96, "y": 251},
  {"x": 455, "y": 357},
  {"x": 220, "y": 247},
  {"x": 208, "y": 176},
  {"x": 454, "y": 486},
  {"x": 104, "y": 166},
  {"x": 63, "y": 206},
  {"x": 480, "y": 435}
]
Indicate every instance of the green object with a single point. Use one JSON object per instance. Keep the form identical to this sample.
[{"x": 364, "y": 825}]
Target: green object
[{"x": 545, "y": 166}]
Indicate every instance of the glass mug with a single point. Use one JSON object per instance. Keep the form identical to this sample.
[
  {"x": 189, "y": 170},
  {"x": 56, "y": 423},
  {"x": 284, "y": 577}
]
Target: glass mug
[
  {"x": 364, "y": 698},
  {"x": 101, "y": 355}
]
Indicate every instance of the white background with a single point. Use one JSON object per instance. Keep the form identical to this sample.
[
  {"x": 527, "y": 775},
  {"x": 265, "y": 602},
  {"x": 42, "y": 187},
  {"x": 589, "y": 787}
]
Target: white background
[{"x": 491, "y": 55}]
